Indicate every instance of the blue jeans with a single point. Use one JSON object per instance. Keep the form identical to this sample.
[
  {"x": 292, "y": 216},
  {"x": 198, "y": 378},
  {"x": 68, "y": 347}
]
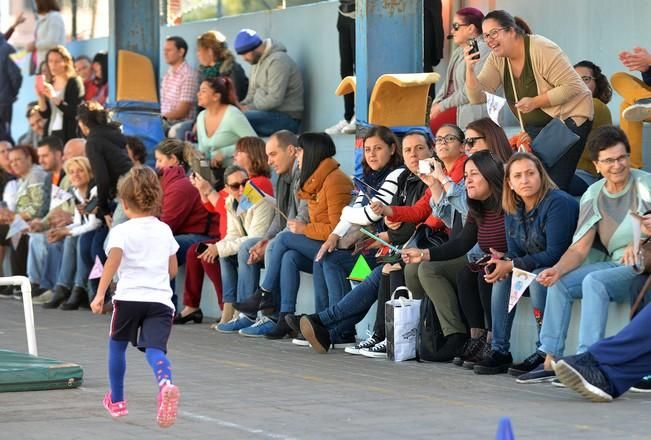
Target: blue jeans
[
  {"x": 68, "y": 267},
  {"x": 228, "y": 268},
  {"x": 36, "y": 258},
  {"x": 291, "y": 254},
  {"x": 331, "y": 278},
  {"x": 266, "y": 123},
  {"x": 90, "y": 246},
  {"x": 240, "y": 279},
  {"x": 341, "y": 317},
  {"x": 602, "y": 282},
  {"x": 503, "y": 321}
]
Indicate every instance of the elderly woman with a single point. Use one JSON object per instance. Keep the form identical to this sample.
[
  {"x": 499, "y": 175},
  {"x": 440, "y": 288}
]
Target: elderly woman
[{"x": 604, "y": 220}]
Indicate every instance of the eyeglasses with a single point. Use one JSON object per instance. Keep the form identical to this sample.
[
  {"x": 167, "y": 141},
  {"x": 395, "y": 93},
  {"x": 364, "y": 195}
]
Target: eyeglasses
[
  {"x": 446, "y": 139},
  {"x": 471, "y": 140},
  {"x": 587, "y": 79},
  {"x": 623, "y": 159},
  {"x": 235, "y": 186},
  {"x": 493, "y": 33},
  {"x": 456, "y": 26}
]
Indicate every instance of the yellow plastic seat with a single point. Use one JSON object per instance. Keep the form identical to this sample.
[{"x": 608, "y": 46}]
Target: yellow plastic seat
[
  {"x": 135, "y": 78},
  {"x": 346, "y": 86},
  {"x": 400, "y": 99}
]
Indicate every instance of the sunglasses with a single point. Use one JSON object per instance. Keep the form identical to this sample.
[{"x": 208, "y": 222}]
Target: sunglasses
[
  {"x": 456, "y": 26},
  {"x": 446, "y": 139},
  {"x": 235, "y": 186},
  {"x": 471, "y": 140}
]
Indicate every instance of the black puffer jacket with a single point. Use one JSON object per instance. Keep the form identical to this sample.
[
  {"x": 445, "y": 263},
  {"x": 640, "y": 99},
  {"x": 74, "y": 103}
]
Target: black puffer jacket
[{"x": 410, "y": 190}]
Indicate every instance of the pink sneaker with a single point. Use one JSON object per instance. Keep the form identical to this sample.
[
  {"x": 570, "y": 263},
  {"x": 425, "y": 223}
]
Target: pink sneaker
[
  {"x": 117, "y": 409},
  {"x": 168, "y": 403}
]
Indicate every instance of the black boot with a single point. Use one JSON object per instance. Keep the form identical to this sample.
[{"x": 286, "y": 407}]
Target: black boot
[
  {"x": 251, "y": 305},
  {"x": 78, "y": 298},
  {"x": 266, "y": 303},
  {"x": 281, "y": 330},
  {"x": 60, "y": 295}
]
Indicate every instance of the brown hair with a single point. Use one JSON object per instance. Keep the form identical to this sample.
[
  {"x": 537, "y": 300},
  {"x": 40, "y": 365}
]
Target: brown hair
[
  {"x": 215, "y": 42},
  {"x": 67, "y": 58},
  {"x": 224, "y": 86},
  {"x": 495, "y": 138},
  {"x": 92, "y": 114},
  {"x": 510, "y": 200},
  {"x": 45, "y": 6},
  {"x": 255, "y": 148},
  {"x": 141, "y": 190},
  {"x": 389, "y": 138}
]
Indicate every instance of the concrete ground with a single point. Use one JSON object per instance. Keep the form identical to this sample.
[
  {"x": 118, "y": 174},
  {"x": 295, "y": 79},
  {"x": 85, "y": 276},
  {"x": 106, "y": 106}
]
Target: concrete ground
[{"x": 238, "y": 388}]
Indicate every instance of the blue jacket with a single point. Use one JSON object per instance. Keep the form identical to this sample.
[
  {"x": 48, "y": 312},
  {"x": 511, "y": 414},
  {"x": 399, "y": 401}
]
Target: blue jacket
[
  {"x": 538, "y": 238},
  {"x": 10, "y": 77}
]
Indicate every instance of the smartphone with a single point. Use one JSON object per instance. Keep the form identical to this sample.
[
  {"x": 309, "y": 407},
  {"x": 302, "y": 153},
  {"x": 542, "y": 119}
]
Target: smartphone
[
  {"x": 90, "y": 206},
  {"x": 475, "y": 48},
  {"x": 424, "y": 167},
  {"x": 201, "y": 248},
  {"x": 40, "y": 83}
]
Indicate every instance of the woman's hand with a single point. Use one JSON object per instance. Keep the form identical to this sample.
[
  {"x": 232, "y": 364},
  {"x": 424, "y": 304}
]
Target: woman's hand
[
  {"x": 380, "y": 208},
  {"x": 548, "y": 276},
  {"x": 328, "y": 246},
  {"x": 210, "y": 254},
  {"x": 296, "y": 226},
  {"x": 470, "y": 59},
  {"x": 526, "y": 105},
  {"x": 629, "y": 258},
  {"x": 217, "y": 160},
  {"x": 414, "y": 256},
  {"x": 391, "y": 225},
  {"x": 437, "y": 171},
  {"x": 502, "y": 270},
  {"x": 48, "y": 90},
  {"x": 202, "y": 185}
]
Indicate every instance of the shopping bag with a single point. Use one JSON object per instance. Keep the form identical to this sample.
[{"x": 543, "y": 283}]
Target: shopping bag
[{"x": 402, "y": 317}]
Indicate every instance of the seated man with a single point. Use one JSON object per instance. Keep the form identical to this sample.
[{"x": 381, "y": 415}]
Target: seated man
[
  {"x": 179, "y": 84},
  {"x": 275, "y": 97},
  {"x": 36, "y": 127},
  {"x": 636, "y": 105}
]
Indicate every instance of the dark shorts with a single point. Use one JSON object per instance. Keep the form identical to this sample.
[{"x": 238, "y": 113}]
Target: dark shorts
[{"x": 144, "y": 324}]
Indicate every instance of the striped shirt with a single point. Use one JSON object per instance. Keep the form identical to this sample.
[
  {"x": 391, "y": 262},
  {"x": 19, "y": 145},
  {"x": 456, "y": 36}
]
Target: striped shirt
[
  {"x": 179, "y": 85},
  {"x": 491, "y": 232}
]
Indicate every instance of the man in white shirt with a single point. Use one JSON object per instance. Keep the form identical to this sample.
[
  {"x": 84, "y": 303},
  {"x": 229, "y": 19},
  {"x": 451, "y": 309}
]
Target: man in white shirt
[{"x": 179, "y": 85}]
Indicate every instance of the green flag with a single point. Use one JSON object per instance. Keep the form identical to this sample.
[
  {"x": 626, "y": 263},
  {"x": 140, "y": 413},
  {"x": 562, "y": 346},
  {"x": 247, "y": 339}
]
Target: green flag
[{"x": 360, "y": 271}]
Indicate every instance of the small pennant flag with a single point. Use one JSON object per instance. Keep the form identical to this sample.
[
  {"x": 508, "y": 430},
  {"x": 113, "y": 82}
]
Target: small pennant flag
[
  {"x": 520, "y": 280},
  {"x": 252, "y": 195},
  {"x": 360, "y": 271},
  {"x": 17, "y": 226},
  {"x": 58, "y": 197},
  {"x": 494, "y": 104},
  {"x": 97, "y": 270}
]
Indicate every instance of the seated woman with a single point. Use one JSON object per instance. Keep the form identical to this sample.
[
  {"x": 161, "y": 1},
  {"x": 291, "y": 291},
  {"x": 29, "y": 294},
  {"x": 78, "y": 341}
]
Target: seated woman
[
  {"x": 221, "y": 124},
  {"x": 604, "y": 221},
  {"x": 72, "y": 277},
  {"x": 100, "y": 78},
  {"x": 539, "y": 85},
  {"x": 484, "y": 134},
  {"x": 484, "y": 225},
  {"x": 540, "y": 220},
  {"x": 382, "y": 165},
  {"x": 215, "y": 59},
  {"x": 451, "y": 105},
  {"x": 327, "y": 190}
]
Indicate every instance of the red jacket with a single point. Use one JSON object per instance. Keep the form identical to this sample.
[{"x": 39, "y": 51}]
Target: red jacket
[{"x": 182, "y": 208}]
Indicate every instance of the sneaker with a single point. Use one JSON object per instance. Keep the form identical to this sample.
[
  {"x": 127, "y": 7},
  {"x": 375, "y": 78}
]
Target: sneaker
[
  {"x": 261, "y": 328},
  {"x": 643, "y": 386},
  {"x": 558, "y": 384},
  {"x": 495, "y": 363},
  {"x": 236, "y": 324},
  {"x": 280, "y": 329},
  {"x": 378, "y": 351},
  {"x": 527, "y": 365},
  {"x": 115, "y": 409},
  {"x": 315, "y": 333},
  {"x": 338, "y": 128},
  {"x": 469, "y": 363},
  {"x": 581, "y": 374},
  {"x": 470, "y": 350},
  {"x": 351, "y": 127},
  {"x": 537, "y": 375},
  {"x": 368, "y": 343},
  {"x": 344, "y": 343},
  {"x": 44, "y": 297},
  {"x": 168, "y": 404},
  {"x": 300, "y": 341},
  {"x": 638, "y": 112}
]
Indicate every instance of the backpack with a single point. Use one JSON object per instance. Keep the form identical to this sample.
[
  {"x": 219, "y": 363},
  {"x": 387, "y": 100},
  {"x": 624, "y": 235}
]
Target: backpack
[{"x": 429, "y": 339}]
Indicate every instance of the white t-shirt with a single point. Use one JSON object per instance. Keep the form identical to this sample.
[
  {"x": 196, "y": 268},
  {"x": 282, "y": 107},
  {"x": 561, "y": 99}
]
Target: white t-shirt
[{"x": 146, "y": 243}]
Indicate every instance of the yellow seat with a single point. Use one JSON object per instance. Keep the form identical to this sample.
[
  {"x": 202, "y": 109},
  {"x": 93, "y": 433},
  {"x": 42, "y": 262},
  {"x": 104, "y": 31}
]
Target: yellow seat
[
  {"x": 400, "y": 99},
  {"x": 135, "y": 78},
  {"x": 346, "y": 86}
]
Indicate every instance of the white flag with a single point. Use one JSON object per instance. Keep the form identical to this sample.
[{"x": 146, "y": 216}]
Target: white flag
[
  {"x": 494, "y": 104},
  {"x": 16, "y": 229},
  {"x": 520, "y": 280},
  {"x": 58, "y": 197}
]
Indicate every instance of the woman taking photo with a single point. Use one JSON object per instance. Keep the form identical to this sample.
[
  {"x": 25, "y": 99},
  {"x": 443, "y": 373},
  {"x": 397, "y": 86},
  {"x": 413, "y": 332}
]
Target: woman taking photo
[
  {"x": 451, "y": 105},
  {"x": 544, "y": 81},
  {"x": 540, "y": 220},
  {"x": 58, "y": 101}
]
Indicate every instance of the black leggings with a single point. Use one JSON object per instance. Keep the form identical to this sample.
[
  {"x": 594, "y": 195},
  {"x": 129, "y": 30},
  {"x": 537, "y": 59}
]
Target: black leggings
[
  {"x": 475, "y": 298},
  {"x": 388, "y": 283},
  {"x": 346, "y": 28}
]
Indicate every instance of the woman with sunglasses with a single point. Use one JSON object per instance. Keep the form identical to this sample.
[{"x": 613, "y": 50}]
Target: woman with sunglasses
[
  {"x": 604, "y": 232},
  {"x": 484, "y": 134},
  {"x": 484, "y": 225},
  {"x": 451, "y": 105},
  {"x": 540, "y": 220},
  {"x": 205, "y": 257},
  {"x": 546, "y": 84}
]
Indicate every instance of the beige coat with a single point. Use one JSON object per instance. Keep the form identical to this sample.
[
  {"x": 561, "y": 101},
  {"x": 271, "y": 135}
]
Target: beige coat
[
  {"x": 555, "y": 76},
  {"x": 252, "y": 223}
]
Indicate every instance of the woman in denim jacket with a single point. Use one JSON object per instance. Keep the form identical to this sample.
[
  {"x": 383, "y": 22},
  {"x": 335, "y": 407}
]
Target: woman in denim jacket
[{"x": 540, "y": 220}]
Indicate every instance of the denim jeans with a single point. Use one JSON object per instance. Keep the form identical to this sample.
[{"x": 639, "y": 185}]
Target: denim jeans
[
  {"x": 239, "y": 279},
  {"x": 342, "y": 316},
  {"x": 266, "y": 123},
  {"x": 503, "y": 321},
  {"x": 36, "y": 258},
  {"x": 90, "y": 246},
  {"x": 291, "y": 254},
  {"x": 68, "y": 267},
  {"x": 228, "y": 267},
  {"x": 83, "y": 268},
  {"x": 602, "y": 282}
]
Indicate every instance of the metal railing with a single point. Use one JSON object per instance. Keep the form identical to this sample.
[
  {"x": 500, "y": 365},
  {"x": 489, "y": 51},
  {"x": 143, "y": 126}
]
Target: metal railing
[{"x": 26, "y": 289}]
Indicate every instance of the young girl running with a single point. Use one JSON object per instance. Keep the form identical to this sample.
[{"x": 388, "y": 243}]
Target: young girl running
[{"x": 143, "y": 253}]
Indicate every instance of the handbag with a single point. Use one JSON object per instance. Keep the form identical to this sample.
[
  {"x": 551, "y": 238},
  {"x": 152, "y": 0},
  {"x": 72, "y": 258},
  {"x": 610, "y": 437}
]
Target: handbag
[
  {"x": 402, "y": 317},
  {"x": 430, "y": 336},
  {"x": 553, "y": 141},
  {"x": 425, "y": 237}
]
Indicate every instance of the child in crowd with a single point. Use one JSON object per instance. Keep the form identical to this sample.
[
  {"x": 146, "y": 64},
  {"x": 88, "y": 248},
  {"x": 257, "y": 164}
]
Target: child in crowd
[{"x": 143, "y": 252}]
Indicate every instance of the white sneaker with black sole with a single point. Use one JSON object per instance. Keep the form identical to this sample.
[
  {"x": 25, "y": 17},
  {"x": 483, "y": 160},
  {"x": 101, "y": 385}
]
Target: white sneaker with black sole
[
  {"x": 378, "y": 351},
  {"x": 368, "y": 343}
]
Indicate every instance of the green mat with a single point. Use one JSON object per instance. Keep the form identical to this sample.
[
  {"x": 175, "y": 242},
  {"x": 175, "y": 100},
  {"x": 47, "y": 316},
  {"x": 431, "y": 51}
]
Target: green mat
[{"x": 23, "y": 372}]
